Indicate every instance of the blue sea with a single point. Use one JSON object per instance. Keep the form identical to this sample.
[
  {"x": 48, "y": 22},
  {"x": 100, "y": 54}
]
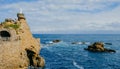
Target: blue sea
[{"x": 65, "y": 55}]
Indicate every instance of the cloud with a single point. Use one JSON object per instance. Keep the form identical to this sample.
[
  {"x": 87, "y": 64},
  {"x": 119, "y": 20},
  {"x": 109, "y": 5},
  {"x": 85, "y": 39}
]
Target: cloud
[{"x": 66, "y": 15}]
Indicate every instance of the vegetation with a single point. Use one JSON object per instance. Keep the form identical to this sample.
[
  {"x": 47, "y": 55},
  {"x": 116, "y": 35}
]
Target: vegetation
[{"x": 14, "y": 26}]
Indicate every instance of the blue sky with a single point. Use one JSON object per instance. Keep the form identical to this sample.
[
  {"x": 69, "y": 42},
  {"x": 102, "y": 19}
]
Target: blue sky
[{"x": 66, "y": 16}]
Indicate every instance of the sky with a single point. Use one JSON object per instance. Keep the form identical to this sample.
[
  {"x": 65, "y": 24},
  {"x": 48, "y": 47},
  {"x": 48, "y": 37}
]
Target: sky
[{"x": 66, "y": 16}]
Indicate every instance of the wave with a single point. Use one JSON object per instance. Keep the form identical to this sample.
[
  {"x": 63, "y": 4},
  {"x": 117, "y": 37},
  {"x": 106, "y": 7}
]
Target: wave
[
  {"x": 49, "y": 42},
  {"x": 78, "y": 66}
]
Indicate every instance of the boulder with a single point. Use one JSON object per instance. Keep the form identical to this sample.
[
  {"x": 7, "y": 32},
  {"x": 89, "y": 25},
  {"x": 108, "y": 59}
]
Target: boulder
[
  {"x": 56, "y": 41},
  {"x": 98, "y": 47}
]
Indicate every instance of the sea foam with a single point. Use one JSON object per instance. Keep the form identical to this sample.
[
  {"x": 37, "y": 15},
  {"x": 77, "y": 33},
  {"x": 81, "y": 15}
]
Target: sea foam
[{"x": 78, "y": 66}]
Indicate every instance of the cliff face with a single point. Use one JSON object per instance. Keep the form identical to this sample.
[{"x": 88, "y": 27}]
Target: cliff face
[{"x": 18, "y": 48}]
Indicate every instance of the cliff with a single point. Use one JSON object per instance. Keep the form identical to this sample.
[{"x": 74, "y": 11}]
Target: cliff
[{"x": 18, "y": 48}]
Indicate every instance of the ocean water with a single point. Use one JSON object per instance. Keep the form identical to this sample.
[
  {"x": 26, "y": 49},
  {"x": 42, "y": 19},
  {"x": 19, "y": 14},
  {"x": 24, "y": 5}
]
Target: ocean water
[{"x": 65, "y": 55}]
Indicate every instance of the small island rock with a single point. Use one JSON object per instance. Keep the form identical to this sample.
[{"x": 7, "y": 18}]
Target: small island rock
[
  {"x": 98, "y": 47},
  {"x": 56, "y": 41}
]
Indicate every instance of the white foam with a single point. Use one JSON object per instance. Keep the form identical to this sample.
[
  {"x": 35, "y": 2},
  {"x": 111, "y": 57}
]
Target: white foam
[
  {"x": 49, "y": 42},
  {"x": 78, "y": 66},
  {"x": 87, "y": 43}
]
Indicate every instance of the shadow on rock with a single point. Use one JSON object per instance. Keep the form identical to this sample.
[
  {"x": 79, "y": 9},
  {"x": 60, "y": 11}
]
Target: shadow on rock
[{"x": 34, "y": 59}]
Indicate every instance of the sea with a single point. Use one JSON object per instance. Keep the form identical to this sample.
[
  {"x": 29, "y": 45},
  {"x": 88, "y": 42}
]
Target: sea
[{"x": 69, "y": 53}]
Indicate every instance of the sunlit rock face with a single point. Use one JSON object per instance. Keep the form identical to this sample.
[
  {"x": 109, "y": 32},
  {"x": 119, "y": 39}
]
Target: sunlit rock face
[{"x": 18, "y": 48}]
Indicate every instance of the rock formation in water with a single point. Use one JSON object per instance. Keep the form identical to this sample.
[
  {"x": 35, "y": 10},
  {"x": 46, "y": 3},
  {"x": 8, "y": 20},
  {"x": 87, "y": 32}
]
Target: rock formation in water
[
  {"x": 56, "y": 41},
  {"x": 98, "y": 47},
  {"x": 18, "y": 48}
]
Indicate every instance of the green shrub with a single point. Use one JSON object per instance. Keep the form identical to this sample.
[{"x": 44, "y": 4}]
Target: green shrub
[{"x": 14, "y": 26}]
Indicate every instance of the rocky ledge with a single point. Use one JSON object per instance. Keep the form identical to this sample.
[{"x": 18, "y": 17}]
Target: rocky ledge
[{"x": 98, "y": 47}]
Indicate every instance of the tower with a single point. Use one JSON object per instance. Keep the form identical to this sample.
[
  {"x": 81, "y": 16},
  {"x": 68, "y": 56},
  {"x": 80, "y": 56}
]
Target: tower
[{"x": 20, "y": 15}]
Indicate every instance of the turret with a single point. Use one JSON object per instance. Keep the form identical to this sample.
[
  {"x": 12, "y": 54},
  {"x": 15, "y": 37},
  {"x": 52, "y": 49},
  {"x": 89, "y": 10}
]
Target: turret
[{"x": 20, "y": 16}]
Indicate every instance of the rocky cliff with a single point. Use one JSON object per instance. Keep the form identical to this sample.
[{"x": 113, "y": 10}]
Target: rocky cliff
[{"x": 18, "y": 48}]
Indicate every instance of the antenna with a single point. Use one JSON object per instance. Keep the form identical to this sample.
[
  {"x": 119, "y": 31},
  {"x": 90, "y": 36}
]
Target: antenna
[{"x": 21, "y": 10}]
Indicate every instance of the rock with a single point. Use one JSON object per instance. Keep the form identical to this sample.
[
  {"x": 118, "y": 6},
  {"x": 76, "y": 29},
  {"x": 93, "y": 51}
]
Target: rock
[
  {"x": 108, "y": 43},
  {"x": 98, "y": 47},
  {"x": 109, "y": 50},
  {"x": 18, "y": 48},
  {"x": 40, "y": 62},
  {"x": 56, "y": 41}
]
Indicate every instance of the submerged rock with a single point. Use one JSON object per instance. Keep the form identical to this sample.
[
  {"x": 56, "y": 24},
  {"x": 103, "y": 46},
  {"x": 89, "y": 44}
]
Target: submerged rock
[
  {"x": 18, "y": 48},
  {"x": 108, "y": 43},
  {"x": 98, "y": 47}
]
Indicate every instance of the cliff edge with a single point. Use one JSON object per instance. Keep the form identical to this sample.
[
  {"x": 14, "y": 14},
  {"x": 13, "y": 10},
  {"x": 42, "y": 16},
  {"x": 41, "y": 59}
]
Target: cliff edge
[{"x": 18, "y": 48}]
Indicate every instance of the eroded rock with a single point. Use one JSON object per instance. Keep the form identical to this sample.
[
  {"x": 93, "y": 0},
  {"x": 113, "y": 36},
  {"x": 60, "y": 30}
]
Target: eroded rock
[{"x": 18, "y": 48}]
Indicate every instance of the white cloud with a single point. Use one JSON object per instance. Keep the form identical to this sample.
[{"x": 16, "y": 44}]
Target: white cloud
[{"x": 66, "y": 15}]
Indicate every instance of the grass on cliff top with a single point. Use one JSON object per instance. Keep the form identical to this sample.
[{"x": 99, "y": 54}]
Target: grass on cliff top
[{"x": 14, "y": 26}]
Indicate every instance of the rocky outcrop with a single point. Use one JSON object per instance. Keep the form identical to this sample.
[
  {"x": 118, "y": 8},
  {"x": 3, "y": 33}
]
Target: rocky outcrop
[
  {"x": 18, "y": 48},
  {"x": 98, "y": 47},
  {"x": 56, "y": 41}
]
